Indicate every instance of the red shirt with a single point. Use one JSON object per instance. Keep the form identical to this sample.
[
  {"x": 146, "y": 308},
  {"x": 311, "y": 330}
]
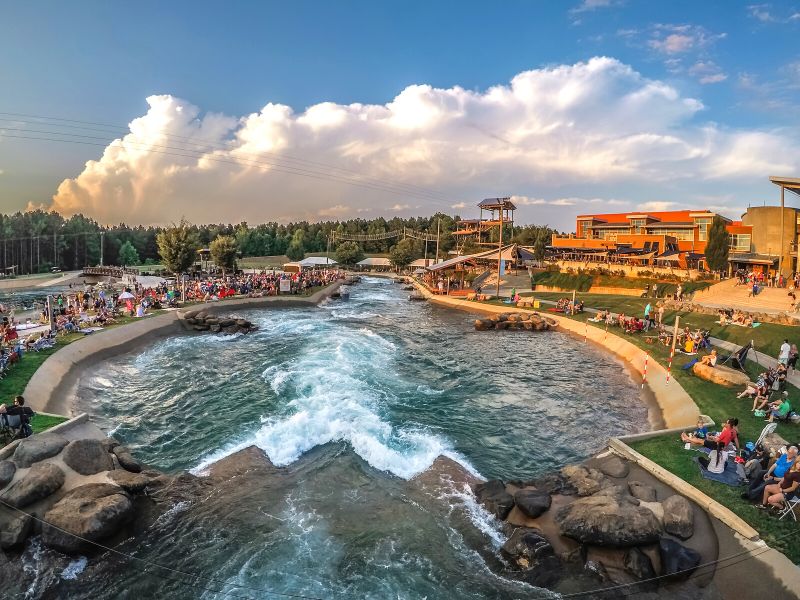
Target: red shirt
[{"x": 726, "y": 435}]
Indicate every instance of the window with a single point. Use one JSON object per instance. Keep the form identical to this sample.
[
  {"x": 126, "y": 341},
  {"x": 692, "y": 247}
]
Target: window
[
  {"x": 702, "y": 229},
  {"x": 740, "y": 242},
  {"x": 684, "y": 235},
  {"x": 638, "y": 225}
]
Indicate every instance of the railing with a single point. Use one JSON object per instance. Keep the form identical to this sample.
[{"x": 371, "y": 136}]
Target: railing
[{"x": 117, "y": 272}]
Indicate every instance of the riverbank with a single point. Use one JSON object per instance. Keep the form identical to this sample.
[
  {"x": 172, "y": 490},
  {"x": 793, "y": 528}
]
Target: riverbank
[{"x": 51, "y": 387}]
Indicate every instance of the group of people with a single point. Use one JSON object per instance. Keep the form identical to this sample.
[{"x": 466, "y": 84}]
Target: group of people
[
  {"x": 568, "y": 307},
  {"x": 728, "y": 316},
  {"x": 264, "y": 283}
]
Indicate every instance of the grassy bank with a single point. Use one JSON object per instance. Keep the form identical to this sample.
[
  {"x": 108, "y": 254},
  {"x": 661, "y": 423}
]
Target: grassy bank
[
  {"x": 582, "y": 282},
  {"x": 719, "y": 403}
]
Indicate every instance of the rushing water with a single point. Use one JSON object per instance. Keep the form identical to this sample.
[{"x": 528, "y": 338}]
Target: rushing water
[{"x": 354, "y": 399}]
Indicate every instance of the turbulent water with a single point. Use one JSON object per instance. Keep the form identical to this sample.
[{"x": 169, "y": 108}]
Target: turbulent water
[{"x": 353, "y": 399}]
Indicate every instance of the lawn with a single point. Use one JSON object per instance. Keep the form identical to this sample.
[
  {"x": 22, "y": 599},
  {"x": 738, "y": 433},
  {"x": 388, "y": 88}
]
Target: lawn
[
  {"x": 583, "y": 281},
  {"x": 719, "y": 403}
]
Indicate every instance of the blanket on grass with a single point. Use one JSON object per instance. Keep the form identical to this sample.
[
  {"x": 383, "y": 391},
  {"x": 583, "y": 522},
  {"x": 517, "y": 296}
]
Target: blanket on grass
[{"x": 733, "y": 474}]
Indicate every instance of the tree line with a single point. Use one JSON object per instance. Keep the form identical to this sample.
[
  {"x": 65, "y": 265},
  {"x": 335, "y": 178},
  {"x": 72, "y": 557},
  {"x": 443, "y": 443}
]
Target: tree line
[{"x": 36, "y": 241}]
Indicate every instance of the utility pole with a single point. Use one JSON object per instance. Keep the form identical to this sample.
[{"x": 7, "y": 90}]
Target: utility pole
[
  {"x": 500, "y": 253},
  {"x": 780, "y": 252},
  {"x": 438, "y": 224},
  {"x": 328, "y": 251},
  {"x": 102, "y": 235}
]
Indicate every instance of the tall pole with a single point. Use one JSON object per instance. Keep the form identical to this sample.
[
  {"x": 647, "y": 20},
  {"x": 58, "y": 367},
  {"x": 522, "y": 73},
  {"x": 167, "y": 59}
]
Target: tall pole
[
  {"x": 674, "y": 341},
  {"x": 328, "y": 252},
  {"x": 438, "y": 224},
  {"x": 780, "y": 252},
  {"x": 500, "y": 252},
  {"x": 102, "y": 235}
]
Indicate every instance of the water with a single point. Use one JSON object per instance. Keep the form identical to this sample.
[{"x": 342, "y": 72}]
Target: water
[
  {"x": 32, "y": 298},
  {"x": 352, "y": 399}
]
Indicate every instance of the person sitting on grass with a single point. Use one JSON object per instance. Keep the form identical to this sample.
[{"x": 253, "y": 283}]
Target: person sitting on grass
[
  {"x": 761, "y": 398},
  {"x": 728, "y": 436},
  {"x": 776, "y": 493},
  {"x": 716, "y": 460},
  {"x": 780, "y": 408},
  {"x": 700, "y": 433},
  {"x": 710, "y": 359}
]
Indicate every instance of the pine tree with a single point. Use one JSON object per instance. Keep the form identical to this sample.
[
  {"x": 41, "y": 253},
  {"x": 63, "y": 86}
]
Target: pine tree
[{"x": 718, "y": 245}]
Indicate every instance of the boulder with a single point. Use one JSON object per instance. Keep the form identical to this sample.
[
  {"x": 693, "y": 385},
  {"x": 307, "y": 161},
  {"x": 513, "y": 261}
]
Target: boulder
[
  {"x": 638, "y": 564},
  {"x": 620, "y": 566},
  {"x": 501, "y": 325},
  {"x": 677, "y": 560},
  {"x": 494, "y": 498},
  {"x": 678, "y": 517},
  {"x": 8, "y": 451},
  {"x": 38, "y": 447},
  {"x": 14, "y": 531},
  {"x": 585, "y": 481},
  {"x": 190, "y": 314},
  {"x": 608, "y": 520},
  {"x": 230, "y": 329},
  {"x": 532, "y": 502},
  {"x": 483, "y": 324},
  {"x": 130, "y": 482},
  {"x": 528, "y": 551},
  {"x": 721, "y": 375},
  {"x": 216, "y": 328},
  {"x": 227, "y": 322},
  {"x": 642, "y": 491},
  {"x": 7, "y": 470},
  {"x": 110, "y": 443},
  {"x": 614, "y": 466},
  {"x": 93, "y": 511},
  {"x": 126, "y": 460},
  {"x": 243, "y": 322},
  {"x": 42, "y": 480},
  {"x": 87, "y": 457},
  {"x": 656, "y": 508}
]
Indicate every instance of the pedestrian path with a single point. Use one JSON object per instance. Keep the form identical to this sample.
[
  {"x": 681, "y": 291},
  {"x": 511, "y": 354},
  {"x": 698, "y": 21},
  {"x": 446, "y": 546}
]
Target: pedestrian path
[{"x": 729, "y": 294}]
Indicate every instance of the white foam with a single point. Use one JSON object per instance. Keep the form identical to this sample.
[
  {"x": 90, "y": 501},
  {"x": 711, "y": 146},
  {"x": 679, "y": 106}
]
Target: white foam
[
  {"x": 75, "y": 568},
  {"x": 104, "y": 382}
]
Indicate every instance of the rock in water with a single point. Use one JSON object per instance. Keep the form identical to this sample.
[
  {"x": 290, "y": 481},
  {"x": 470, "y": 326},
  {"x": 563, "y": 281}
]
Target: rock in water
[
  {"x": 642, "y": 491},
  {"x": 42, "y": 480},
  {"x": 38, "y": 447},
  {"x": 676, "y": 559},
  {"x": 130, "y": 482},
  {"x": 93, "y": 511},
  {"x": 14, "y": 531},
  {"x": 495, "y": 498},
  {"x": 528, "y": 551},
  {"x": 7, "y": 470},
  {"x": 126, "y": 460},
  {"x": 87, "y": 457},
  {"x": 532, "y": 502},
  {"x": 608, "y": 520},
  {"x": 678, "y": 517}
]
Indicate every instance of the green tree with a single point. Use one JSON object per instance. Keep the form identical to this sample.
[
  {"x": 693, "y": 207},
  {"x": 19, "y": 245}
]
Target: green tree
[
  {"x": 177, "y": 246},
  {"x": 402, "y": 253},
  {"x": 348, "y": 253},
  {"x": 223, "y": 251},
  {"x": 718, "y": 245},
  {"x": 296, "y": 249},
  {"x": 540, "y": 244},
  {"x": 128, "y": 255}
]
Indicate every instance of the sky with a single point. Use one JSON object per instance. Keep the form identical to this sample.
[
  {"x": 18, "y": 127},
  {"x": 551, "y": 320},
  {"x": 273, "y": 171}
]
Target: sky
[{"x": 148, "y": 112}]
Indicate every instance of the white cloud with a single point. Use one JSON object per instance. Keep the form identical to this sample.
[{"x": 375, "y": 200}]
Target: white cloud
[
  {"x": 707, "y": 72},
  {"x": 459, "y": 205},
  {"x": 657, "y": 206},
  {"x": 678, "y": 39},
  {"x": 599, "y": 125},
  {"x": 760, "y": 12},
  {"x": 563, "y": 202},
  {"x": 589, "y": 5}
]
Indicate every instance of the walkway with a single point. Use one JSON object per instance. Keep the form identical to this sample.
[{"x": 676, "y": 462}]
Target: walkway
[{"x": 727, "y": 294}]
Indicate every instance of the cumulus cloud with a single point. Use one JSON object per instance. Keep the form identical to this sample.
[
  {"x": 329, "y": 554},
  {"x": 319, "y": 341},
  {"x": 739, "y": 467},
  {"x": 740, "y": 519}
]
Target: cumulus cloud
[
  {"x": 707, "y": 72},
  {"x": 597, "y": 124},
  {"x": 760, "y": 12},
  {"x": 459, "y": 205}
]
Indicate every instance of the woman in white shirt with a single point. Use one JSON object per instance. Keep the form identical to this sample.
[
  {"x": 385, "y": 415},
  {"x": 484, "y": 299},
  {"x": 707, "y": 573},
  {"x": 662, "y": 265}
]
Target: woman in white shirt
[{"x": 716, "y": 461}]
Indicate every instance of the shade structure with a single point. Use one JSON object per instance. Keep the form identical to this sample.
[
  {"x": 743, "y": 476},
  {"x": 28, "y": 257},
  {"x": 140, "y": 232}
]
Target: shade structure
[
  {"x": 375, "y": 262},
  {"x": 316, "y": 261},
  {"x": 126, "y": 296}
]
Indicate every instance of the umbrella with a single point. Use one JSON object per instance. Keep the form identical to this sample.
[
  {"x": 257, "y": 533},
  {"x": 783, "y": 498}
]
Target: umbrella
[{"x": 126, "y": 296}]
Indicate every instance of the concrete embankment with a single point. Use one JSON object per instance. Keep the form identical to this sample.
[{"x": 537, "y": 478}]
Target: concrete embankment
[
  {"x": 677, "y": 407},
  {"x": 52, "y": 386}
]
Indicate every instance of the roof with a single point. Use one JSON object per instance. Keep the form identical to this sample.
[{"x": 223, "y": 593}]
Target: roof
[
  {"x": 497, "y": 203},
  {"x": 374, "y": 262},
  {"x": 790, "y": 183},
  {"x": 446, "y": 264},
  {"x": 669, "y": 215},
  {"x": 755, "y": 259},
  {"x": 313, "y": 261}
]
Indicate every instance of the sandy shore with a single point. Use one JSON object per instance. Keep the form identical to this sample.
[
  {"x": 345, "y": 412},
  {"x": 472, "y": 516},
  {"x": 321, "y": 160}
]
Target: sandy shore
[{"x": 52, "y": 387}]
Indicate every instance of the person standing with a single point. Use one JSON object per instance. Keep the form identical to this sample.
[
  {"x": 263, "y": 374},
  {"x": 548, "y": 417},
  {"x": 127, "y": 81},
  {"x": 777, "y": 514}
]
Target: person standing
[
  {"x": 647, "y": 312},
  {"x": 679, "y": 293},
  {"x": 661, "y": 315},
  {"x": 783, "y": 354}
]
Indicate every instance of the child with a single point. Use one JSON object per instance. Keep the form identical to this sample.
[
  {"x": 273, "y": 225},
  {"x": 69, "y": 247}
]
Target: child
[{"x": 700, "y": 433}]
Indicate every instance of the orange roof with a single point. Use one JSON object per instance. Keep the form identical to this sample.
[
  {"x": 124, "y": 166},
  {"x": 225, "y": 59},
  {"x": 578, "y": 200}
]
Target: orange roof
[{"x": 670, "y": 215}]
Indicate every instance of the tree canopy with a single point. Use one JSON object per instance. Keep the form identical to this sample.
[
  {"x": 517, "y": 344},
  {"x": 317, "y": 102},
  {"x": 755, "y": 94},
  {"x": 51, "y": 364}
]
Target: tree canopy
[
  {"x": 718, "y": 245},
  {"x": 128, "y": 255},
  {"x": 224, "y": 251},
  {"x": 177, "y": 246},
  {"x": 402, "y": 253},
  {"x": 349, "y": 253}
]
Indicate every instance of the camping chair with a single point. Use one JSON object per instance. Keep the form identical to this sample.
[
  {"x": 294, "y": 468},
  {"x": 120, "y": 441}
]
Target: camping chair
[
  {"x": 9, "y": 427},
  {"x": 769, "y": 428},
  {"x": 789, "y": 510},
  {"x": 737, "y": 358}
]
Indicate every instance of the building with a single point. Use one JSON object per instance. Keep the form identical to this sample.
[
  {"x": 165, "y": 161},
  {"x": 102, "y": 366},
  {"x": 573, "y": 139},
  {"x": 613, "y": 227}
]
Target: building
[{"x": 479, "y": 231}]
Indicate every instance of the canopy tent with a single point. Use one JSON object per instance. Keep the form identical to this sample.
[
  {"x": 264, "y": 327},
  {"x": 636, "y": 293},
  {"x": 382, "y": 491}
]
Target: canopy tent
[
  {"x": 419, "y": 271},
  {"x": 375, "y": 262},
  {"x": 647, "y": 256},
  {"x": 507, "y": 253},
  {"x": 314, "y": 261},
  {"x": 754, "y": 259},
  {"x": 673, "y": 256},
  {"x": 452, "y": 262}
]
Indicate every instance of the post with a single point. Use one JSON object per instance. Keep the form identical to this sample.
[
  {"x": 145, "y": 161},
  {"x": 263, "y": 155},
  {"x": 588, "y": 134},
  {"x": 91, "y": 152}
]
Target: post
[
  {"x": 438, "y": 224},
  {"x": 500, "y": 253},
  {"x": 780, "y": 252},
  {"x": 674, "y": 341},
  {"x": 644, "y": 374},
  {"x": 102, "y": 235},
  {"x": 328, "y": 252}
]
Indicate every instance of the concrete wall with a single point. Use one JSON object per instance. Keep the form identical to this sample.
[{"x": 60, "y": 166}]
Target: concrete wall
[{"x": 766, "y": 234}]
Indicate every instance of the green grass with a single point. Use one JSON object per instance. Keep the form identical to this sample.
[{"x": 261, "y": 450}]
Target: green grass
[
  {"x": 719, "y": 403},
  {"x": 583, "y": 281},
  {"x": 42, "y": 423}
]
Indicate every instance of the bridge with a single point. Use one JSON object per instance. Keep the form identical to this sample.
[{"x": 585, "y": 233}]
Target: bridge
[{"x": 116, "y": 272}]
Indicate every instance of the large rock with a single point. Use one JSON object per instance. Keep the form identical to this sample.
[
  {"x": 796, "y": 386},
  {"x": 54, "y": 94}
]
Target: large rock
[
  {"x": 93, "y": 512},
  {"x": 126, "y": 460},
  {"x": 87, "y": 457},
  {"x": 585, "y": 481},
  {"x": 528, "y": 551},
  {"x": 609, "y": 520},
  {"x": 110, "y": 443},
  {"x": 677, "y": 560},
  {"x": 14, "y": 531},
  {"x": 532, "y": 502},
  {"x": 38, "y": 447},
  {"x": 642, "y": 491},
  {"x": 494, "y": 497},
  {"x": 721, "y": 375},
  {"x": 8, "y": 451},
  {"x": 621, "y": 566},
  {"x": 614, "y": 466},
  {"x": 130, "y": 482},
  {"x": 7, "y": 470},
  {"x": 678, "y": 517},
  {"x": 39, "y": 482},
  {"x": 638, "y": 564},
  {"x": 483, "y": 324}
]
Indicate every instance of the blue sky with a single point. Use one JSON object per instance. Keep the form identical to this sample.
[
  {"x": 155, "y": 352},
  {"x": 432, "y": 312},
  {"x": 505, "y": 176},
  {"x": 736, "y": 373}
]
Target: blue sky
[{"x": 100, "y": 61}]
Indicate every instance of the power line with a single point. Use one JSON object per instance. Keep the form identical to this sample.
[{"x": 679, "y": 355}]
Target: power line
[
  {"x": 159, "y": 566},
  {"x": 208, "y": 142}
]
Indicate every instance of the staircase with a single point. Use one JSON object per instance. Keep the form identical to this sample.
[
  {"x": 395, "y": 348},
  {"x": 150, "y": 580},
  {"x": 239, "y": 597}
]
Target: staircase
[{"x": 726, "y": 294}]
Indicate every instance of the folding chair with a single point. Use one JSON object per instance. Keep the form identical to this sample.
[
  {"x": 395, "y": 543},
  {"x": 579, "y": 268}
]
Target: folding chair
[
  {"x": 790, "y": 504},
  {"x": 768, "y": 429}
]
